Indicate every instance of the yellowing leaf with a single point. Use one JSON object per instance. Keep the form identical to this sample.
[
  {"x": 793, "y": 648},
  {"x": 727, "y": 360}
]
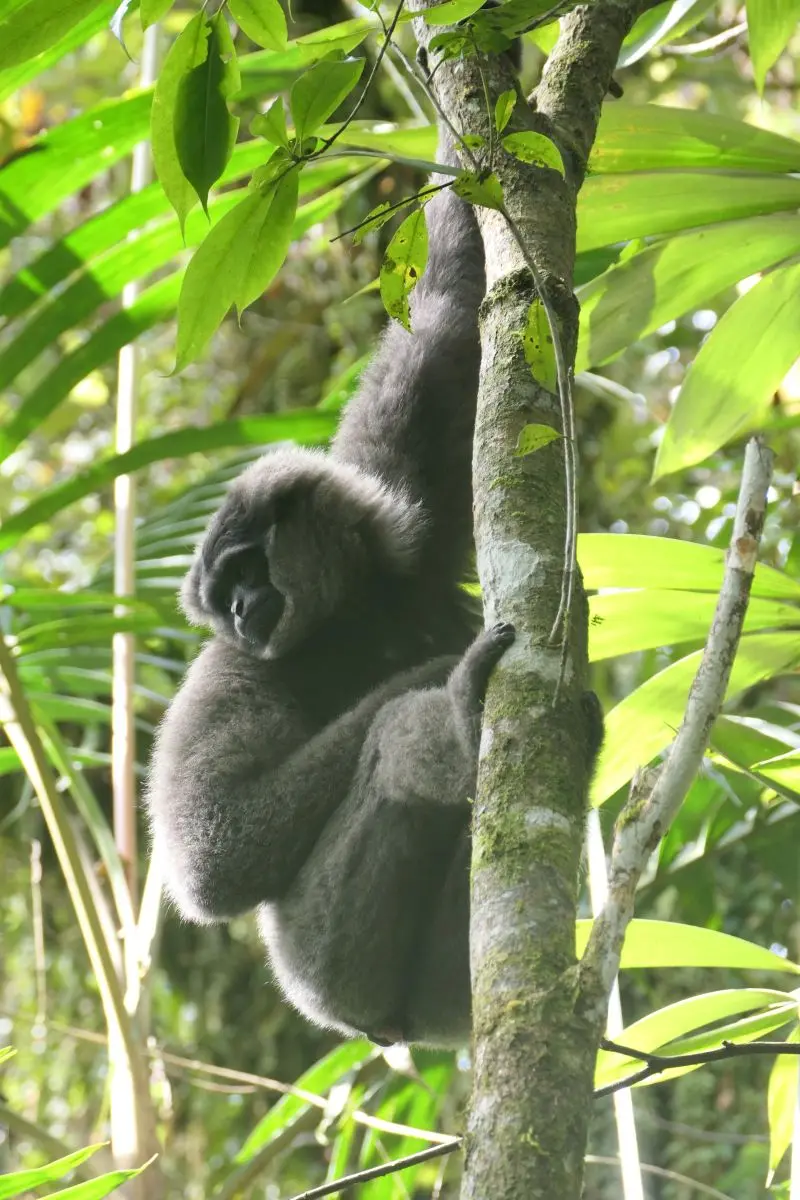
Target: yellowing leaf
[
  {"x": 537, "y": 343},
  {"x": 534, "y": 437},
  {"x": 403, "y": 264},
  {"x": 534, "y": 148},
  {"x": 479, "y": 189}
]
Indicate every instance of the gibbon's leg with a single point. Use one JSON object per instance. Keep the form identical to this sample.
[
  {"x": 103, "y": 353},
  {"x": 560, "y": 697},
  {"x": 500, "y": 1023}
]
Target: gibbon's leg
[
  {"x": 231, "y": 826},
  {"x": 356, "y": 918}
]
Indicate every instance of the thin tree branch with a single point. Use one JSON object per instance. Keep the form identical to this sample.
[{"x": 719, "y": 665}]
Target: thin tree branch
[
  {"x": 656, "y": 796},
  {"x": 389, "y": 1168},
  {"x": 656, "y": 1063}
]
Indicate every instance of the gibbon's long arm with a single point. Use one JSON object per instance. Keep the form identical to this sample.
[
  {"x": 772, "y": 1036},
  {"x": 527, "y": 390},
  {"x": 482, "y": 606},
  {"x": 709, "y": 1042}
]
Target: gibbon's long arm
[
  {"x": 413, "y": 418},
  {"x": 237, "y": 794}
]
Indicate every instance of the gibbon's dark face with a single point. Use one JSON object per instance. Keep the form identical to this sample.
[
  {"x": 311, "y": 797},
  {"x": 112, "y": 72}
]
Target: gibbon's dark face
[{"x": 294, "y": 540}]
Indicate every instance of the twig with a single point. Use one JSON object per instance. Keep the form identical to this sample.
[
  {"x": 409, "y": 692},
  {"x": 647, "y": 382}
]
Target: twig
[
  {"x": 656, "y": 796},
  {"x": 423, "y": 194},
  {"x": 656, "y": 1063},
  {"x": 603, "y": 1160},
  {"x": 389, "y": 1168}
]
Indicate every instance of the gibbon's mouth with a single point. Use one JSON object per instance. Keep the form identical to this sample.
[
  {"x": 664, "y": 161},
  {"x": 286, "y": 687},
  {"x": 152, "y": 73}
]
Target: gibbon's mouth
[{"x": 257, "y": 624}]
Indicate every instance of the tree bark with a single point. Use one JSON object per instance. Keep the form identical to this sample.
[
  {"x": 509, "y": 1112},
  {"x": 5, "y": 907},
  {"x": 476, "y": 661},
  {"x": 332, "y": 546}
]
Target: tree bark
[{"x": 534, "y": 1042}]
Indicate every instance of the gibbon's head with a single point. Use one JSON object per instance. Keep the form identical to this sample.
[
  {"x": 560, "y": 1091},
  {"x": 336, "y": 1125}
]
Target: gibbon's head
[{"x": 296, "y": 537}]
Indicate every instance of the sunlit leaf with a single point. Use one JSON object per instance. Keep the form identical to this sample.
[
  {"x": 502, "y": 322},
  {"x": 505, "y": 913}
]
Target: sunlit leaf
[
  {"x": 187, "y": 53},
  {"x": 666, "y": 21},
  {"x": 262, "y": 20},
  {"x": 203, "y": 128},
  {"x": 320, "y": 91},
  {"x": 730, "y": 385},
  {"x": 30, "y": 26},
  {"x": 236, "y": 262},
  {"x": 645, "y": 722},
  {"x": 664, "y": 944},
  {"x": 403, "y": 265},
  {"x": 534, "y": 148},
  {"x": 16, "y": 1183},
  {"x": 479, "y": 189},
  {"x": 674, "y": 276},
  {"x": 504, "y": 108},
  {"x": 782, "y": 1105},
  {"x": 271, "y": 125},
  {"x": 770, "y": 24},
  {"x": 152, "y": 11},
  {"x": 451, "y": 11},
  {"x": 96, "y": 19},
  {"x": 783, "y": 771},
  {"x": 535, "y": 437}
]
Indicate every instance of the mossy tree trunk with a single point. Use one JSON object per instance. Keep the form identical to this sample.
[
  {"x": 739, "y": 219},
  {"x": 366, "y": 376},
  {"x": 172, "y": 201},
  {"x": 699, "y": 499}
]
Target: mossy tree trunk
[{"x": 534, "y": 1040}]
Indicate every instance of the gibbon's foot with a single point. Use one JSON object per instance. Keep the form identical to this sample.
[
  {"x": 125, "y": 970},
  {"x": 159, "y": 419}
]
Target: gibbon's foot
[
  {"x": 481, "y": 659},
  {"x": 504, "y": 633}
]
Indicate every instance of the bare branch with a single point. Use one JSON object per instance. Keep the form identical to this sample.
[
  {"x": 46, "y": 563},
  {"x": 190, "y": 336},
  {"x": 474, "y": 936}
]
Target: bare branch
[
  {"x": 390, "y": 1168},
  {"x": 656, "y": 1063},
  {"x": 656, "y": 796}
]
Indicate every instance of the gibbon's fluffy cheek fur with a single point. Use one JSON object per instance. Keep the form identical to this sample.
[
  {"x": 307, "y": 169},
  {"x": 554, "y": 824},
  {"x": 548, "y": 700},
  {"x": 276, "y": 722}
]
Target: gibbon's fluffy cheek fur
[{"x": 296, "y": 536}]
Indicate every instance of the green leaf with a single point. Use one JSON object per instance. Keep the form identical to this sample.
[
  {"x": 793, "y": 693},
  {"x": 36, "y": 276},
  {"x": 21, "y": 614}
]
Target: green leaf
[
  {"x": 152, "y": 11},
  {"x": 306, "y": 426},
  {"x": 624, "y": 622},
  {"x": 476, "y": 188},
  {"x": 669, "y": 20},
  {"x": 534, "y": 437},
  {"x": 262, "y": 20},
  {"x": 96, "y": 20},
  {"x": 95, "y": 1189},
  {"x": 451, "y": 11},
  {"x": 271, "y": 125},
  {"x": 375, "y": 218},
  {"x": 619, "y": 208},
  {"x": 537, "y": 344},
  {"x": 770, "y": 24},
  {"x": 203, "y": 128},
  {"x": 20, "y": 1181},
  {"x": 29, "y": 26},
  {"x": 535, "y": 148},
  {"x": 9, "y": 763},
  {"x": 729, "y": 387},
  {"x": 645, "y": 722},
  {"x": 503, "y": 109},
  {"x": 782, "y": 1105},
  {"x": 647, "y": 137},
  {"x": 452, "y": 44},
  {"x": 669, "y": 278},
  {"x": 783, "y": 771},
  {"x": 236, "y": 262},
  {"x": 631, "y": 560},
  {"x": 318, "y": 1079},
  {"x": 666, "y": 944},
  {"x": 320, "y": 91},
  {"x": 509, "y": 19},
  {"x": 188, "y": 52},
  {"x": 403, "y": 265}
]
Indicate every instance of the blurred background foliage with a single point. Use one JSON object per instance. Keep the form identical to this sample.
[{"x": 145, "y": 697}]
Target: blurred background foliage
[{"x": 731, "y": 863}]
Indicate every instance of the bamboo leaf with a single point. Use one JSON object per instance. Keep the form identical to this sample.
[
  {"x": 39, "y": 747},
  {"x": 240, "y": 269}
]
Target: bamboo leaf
[
  {"x": 770, "y": 24},
  {"x": 666, "y": 944},
  {"x": 781, "y": 1105},
  {"x": 730, "y": 385},
  {"x": 17, "y": 1182},
  {"x": 403, "y": 265},
  {"x": 29, "y": 26}
]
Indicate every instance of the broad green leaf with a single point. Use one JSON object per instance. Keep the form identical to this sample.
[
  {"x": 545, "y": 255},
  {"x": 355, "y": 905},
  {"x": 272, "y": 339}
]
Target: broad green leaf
[
  {"x": 770, "y": 24},
  {"x": 152, "y": 11},
  {"x": 403, "y": 265},
  {"x": 632, "y": 560},
  {"x": 662, "y": 944},
  {"x": 66, "y": 158},
  {"x": 262, "y": 20},
  {"x": 320, "y": 91},
  {"x": 645, "y": 722},
  {"x": 537, "y": 344},
  {"x": 624, "y": 622},
  {"x": 649, "y": 136},
  {"x": 729, "y": 387},
  {"x": 203, "y": 128},
  {"x": 18, "y": 1182},
  {"x": 510, "y": 19},
  {"x": 235, "y": 263},
  {"x": 669, "y": 278},
  {"x": 28, "y": 27},
  {"x": 745, "y": 741},
  {"x": 783, "y": 770},
  {"x": 479, "y": 189},
  {"x": 306, "y": 426},
  {"x": 452, "y": 43},
  {"x": 782, "y": 1105},
  {"x": 666, "y": 21},
  {"x": 318, "y": 1079},
  {"x": 451, "y": 11},
  {"x": 504, "y": 108},
  {"x": 272, "y": 124},
  {"x": 535, "y": 148},
  {"x": 9, "y": 762},
  {"x": 188, "y": 52},
  {"x": 535, "y": 437},
  {"x": 618, "y": 208}
]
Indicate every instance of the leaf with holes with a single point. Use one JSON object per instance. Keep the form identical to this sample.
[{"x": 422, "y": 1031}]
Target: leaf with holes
[
  {"x": 403, "y": 264},
  {"x": 537, "y": 343},
  {"x": 480, "y": 189},
  {"x": 534, "y": 148}
]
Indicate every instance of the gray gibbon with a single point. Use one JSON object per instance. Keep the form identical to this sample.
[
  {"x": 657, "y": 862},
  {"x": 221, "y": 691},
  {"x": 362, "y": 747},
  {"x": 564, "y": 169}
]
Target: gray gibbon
[{"x": 318, "y": 761}]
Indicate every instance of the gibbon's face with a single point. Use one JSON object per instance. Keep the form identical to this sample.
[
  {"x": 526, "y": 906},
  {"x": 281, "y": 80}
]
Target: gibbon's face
[{"x": 293, "y": 541}]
